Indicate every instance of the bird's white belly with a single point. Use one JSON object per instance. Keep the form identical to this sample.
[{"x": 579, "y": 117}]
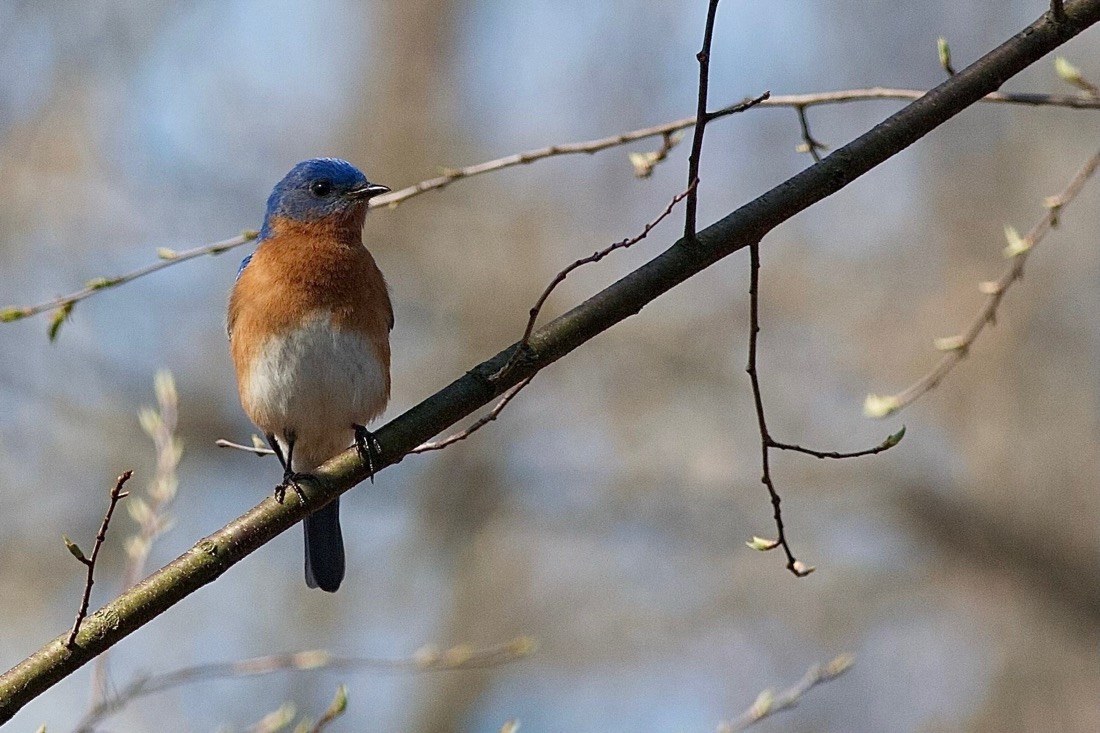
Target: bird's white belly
[{"x": 315, "y": 383}]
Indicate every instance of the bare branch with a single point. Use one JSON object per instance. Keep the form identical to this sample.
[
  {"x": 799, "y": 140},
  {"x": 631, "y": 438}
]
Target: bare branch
[
  {"x": 809, "y": 144},
  {"x": 64, "y": 304},
  {"x": 701, "y": 120},
  {"x": 887, "y": 444},
  {"x": 796, "y": 566},
  {"x": 956, "y": 347},
  {"x": 596, "y": 256},
  {"x": 769, "y": 702},
  {"x": 257, "y": 449},
  {"x": 116, "y": 495},
  {"x": 767, "y": 442},
  {"x": 427, "y": 659}
]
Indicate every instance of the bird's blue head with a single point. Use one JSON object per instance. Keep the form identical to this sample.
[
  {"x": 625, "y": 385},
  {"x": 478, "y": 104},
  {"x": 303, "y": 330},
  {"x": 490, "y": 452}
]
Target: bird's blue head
[{"x": 321, "y": 188}]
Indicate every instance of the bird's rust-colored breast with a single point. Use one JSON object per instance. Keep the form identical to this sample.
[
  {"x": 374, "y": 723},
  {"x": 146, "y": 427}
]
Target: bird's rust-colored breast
[{"x": 300, "y": 269}]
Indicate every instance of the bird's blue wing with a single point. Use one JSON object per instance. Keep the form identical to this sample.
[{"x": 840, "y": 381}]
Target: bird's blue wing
[{"x": 244, "y": 264}]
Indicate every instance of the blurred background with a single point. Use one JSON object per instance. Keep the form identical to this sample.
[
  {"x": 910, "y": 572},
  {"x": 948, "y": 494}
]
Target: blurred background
[{"x": 605, "y": 513}]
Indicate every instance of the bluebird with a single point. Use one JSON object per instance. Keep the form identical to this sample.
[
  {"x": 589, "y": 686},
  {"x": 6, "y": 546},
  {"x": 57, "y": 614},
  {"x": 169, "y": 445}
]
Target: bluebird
[{"x": 309, "y": 327}]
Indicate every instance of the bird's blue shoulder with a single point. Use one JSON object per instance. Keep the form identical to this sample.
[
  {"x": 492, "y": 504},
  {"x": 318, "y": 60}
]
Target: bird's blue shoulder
[{"x": 244, "y": 264}]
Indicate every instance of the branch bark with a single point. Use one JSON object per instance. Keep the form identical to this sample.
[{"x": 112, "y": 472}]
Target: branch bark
[{"x": 214, "y": 555}]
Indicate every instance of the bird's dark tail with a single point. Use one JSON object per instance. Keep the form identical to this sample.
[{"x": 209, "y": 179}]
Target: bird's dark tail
[{"x": 324, "y": 548}]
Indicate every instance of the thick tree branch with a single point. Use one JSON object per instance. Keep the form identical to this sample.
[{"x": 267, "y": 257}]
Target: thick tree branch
[{"x": 215, "y": 554}]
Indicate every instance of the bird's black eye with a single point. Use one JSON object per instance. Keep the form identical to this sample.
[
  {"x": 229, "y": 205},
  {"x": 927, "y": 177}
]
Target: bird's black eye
[{"x": 320, "y": 188}]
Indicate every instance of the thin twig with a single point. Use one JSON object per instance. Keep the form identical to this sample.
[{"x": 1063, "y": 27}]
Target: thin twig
[
  {"x": 795, "y": 565},
  {"x": 167, "y": 259},
  {"x": 429, "y": 659},
  {"x": 767, "y": 442},
  {"x": 536, "y": 309},
  {"x": 587, "y": 147},
  {"x": 1069, "y": 101},
  {"x": 257, "y": 449},
  {"x": 885, "y": 445},
  {"x": 477, "y": 424},
  {"x": 116, "y": 495},
  {"x": 63, "y": 304},
  {"x": 956, "y": 347},
  {"x": 149, "y": 511},
  {"x": 809, "y": 144},
  {"x": 335, "y": 709},
  {"x": 769, "y": 702},
  {"x": 701, "y": 120}
]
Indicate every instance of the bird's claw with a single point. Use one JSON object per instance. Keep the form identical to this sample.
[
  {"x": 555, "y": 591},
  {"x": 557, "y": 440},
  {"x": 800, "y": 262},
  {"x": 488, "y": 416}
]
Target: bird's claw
[
  {"x": 368, "y": 448},
  {"x": 291, "y": 480}
]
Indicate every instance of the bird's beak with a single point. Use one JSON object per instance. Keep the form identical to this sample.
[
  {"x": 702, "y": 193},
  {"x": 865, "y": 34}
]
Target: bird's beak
[{"x": 368, "y": 191}]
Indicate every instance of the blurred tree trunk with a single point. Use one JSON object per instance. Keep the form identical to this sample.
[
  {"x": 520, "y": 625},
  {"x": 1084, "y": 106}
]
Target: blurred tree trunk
[{"x": 404, "y": 131}]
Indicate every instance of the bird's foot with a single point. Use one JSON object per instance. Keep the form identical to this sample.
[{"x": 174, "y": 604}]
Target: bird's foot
[
  {"x": 368, "y": 447},
  {"x": 292, "y": 480}
]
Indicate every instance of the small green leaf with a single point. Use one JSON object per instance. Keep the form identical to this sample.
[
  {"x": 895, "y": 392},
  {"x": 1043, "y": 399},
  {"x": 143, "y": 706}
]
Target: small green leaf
[
  {"x": 74, "y": 549},
  {"x": 762, "y": 705},
  {"x": 99, "y": 283},
  {"x": 311, "y": 659},
  {"x": 150, "y": 421},
  {"x": 136, "y": 547},
  {"x": 894, "y": 439},
  {"x": 1067, "y": 71},
  {"x": 276, "y": 720},
  {"x": 944, "y": 52},
  {"x": 880, "y": 405},
  {"x": 840, "y": 665},
  {"x": 164, "y": 385},
  {"x": 950, "y": 343},
  {"x": 644, "y": 162},
  {"x": 140, "y": 511},
  {"x": 522, "y": 646},
  {"x": 1017, "y": 245},
  {"x": 762, "y": 545},
  {"x": 339, "y": 703},
  {"x": 12, "y": 314},
  {"x": 60, "y": 315}
]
